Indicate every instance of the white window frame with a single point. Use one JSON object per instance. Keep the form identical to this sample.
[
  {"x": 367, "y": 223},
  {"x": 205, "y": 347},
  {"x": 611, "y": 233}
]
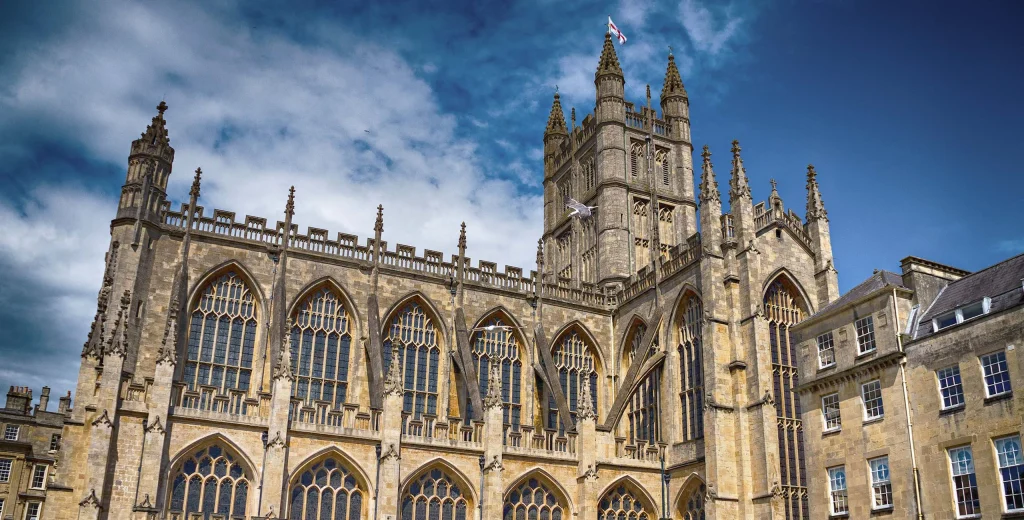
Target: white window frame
[
  {"x": 879, "y": 484},
  {"x": 1002, "y": 462},
  {"x": 958, "y": 314},
  {"x": 827, "y": 341},
  {"x": 869, "y": 332},
  {"x": 835, "y": 493},
  {"x": 35, "y": 471},
  {"x": 960, "y": 469},
  {"x": 864, "y": 401},
  {"x": 8, "y": 436},
  {"x": 985, "y": 375},
  {"x": 958, "y": 387},
  {"x": 10, "y": 468},
  {"x": 39, "y": 510},
  {"x": 824, "y": 414}
]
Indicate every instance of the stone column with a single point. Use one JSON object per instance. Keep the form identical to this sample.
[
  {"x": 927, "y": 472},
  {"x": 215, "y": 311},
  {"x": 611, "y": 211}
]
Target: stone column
[
  {"x": 494, "y": 485},
  {"x": 388, "y": 487},
  {"x": 149, "y": 497},
  {"x": 275, "y": 475},
  {"x": 586, "y": 452}
]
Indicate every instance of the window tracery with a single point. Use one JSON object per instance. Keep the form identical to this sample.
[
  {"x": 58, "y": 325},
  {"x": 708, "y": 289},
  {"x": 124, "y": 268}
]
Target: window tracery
[
  {"x": 435, "y": 496},
  {"x": 636, "y": 157},
  {"x": 573, "y": 360},
  {"x": 621, "y": 503},
  {"x": 661, "y": 161},
  {"x": 693, "y": 507},
  {"x": 532, "y": 499},
  {"x": 415, "y": 334},
  {"x": 210, "y": 481},
  {"x": 644, "y": 426},
  {"x": 327, "y": 490},
  {"x": 500, "y": 346},
  {"x": 641, "y": 227},
  {"x": 691, "y": 368},
  {"x": 320, "y": 345},
  {"x": 222, "y": 336},
  {"x": 783, "y": 309},
  {"x": 666, "y": 228}
]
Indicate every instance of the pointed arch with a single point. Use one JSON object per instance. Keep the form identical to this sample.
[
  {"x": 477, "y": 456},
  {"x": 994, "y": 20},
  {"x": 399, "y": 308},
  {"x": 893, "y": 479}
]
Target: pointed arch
[
  {"x": 422, "y": 299},
  {"x": 211, "y": 475},
  {"x": 625, "y": 495},
  {"x": 437, "y": 490},
  {"x": 643, "y": 422},
  {"x": 688, "y": 290},
  {"x": 632, "y": 322},
  {"x": 535, "y": 494},
  {"x": 586, "y": 334},
  {"x": 414, "y": 329},
  {"x": 690, "y": 499},
  {"x": 787, "y": 277},
  {"x": 329, "y": 484},
  {"x": 688, "y": 330},
  {"x": 509, "y": 349},
  {"x": 576, "y": 356},
  {"x": 223, "y": 338},
  {"x": 343, "y": 294}
]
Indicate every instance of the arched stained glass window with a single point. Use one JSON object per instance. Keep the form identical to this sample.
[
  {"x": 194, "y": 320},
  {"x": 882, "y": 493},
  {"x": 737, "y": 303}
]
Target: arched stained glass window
[
  {"x": 691, "y": 367},
  {"x": 210, "y": 481},
  {"x": 643, "y": 418},
  {"x": 327, "y": 490},
  {"x": 533, "y": 499},
  {"x": 692, "y": 508},
  {"x": 221, "y": 337},
  {"x": 435, "y": 496},
  {"x": 622, "y": 503},
  {"x": 415, "y": 334},
  {"x": 321, "y": 341},
  {"x": 783, "y": 309},
  {"x": 501, "y": 345},
  {"x": 573, "y": 360}
]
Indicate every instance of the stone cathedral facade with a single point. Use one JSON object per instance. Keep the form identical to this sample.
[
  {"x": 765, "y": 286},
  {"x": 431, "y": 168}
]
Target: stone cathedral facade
[{"x": 241, "y": 368}]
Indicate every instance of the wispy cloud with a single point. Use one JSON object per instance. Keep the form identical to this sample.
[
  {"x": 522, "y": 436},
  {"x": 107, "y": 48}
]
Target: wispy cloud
[{"x": 711, "y": 29}]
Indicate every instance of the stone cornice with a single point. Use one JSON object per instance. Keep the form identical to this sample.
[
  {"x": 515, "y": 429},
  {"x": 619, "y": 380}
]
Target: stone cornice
[{"x": 853, "y": 373}]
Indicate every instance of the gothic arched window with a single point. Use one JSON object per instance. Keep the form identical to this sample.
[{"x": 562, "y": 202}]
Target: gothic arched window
[
  {"x": 636, "y": 158},
  {"x": 574, "y": 360},
  {"x": 622, "y": 503},
  {"x": 435, "y": 496},
  {"x": 783, "y": 309},
  {"x": 210, "y": 481},
  {"x": 534, "y": 500},
  {"x": 641, "y": 228},
  {"x": 693, "y": 507},
  {"x": 222, "y": 336},
  {"x": 415, "y": 335},
  {"x": 666, "y": 228},
  {"x": 662, "y": 162},
  {"x": 644, "y": 420},
  {"x": 320, "y": 345},
  {"x": 691, "y": 367},
  {"x": 502, "y": 346},
  {"x": 327, "y": 490}
]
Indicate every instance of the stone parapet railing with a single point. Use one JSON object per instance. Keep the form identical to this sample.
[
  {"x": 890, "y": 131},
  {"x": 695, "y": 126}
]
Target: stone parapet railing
[
  {"x": 210, "y": 403},
  {"x": 765, "y": 217}
]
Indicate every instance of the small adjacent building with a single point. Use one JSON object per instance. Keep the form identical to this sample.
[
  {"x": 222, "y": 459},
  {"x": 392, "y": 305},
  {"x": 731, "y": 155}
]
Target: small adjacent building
[
  {"x": 30, "y": 439},
  {"x": 907, "y": 395}
]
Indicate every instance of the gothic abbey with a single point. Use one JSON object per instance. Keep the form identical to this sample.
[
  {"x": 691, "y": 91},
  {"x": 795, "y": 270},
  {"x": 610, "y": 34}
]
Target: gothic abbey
[{"x": 644, "y": 370}]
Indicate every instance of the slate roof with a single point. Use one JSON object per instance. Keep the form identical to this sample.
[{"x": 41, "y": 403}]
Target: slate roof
[
  {"x": 875, "y": 282},
  {"x": 1000, "y": 282}
]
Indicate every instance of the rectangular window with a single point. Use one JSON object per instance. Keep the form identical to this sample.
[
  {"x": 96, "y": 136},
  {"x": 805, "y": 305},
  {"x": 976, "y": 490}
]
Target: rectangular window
[
  {"x": 865, "y": 335},
  {"x": 830, "y": 410},
  {"x": 1011, "y": 472},
  {"x": 55, "y": 442},
  {"x": 871, "y": 393},
  {"x": 972, "y": 311},
  {"x": 837, "y": 490},
  {"x": 11, "y": 432},
  {"x": 32, "y": 510},
  {"x": 826, "y": 351},
  {"x": 946, "y": 320},
  {"x": 881, "y": 487},
  {"x": 997, "y": 376},
  {"x": 39, "y": 476},
  {"x": 965, "y": 486},
  {"x": 950, "y": 387},
  {"x": 1, "y": 508},
  {"x": 5, "y": 470}
]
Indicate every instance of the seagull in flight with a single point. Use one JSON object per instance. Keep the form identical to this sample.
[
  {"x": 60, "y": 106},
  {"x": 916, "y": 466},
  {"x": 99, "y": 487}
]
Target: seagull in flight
[{"x": 578, "y": 209}]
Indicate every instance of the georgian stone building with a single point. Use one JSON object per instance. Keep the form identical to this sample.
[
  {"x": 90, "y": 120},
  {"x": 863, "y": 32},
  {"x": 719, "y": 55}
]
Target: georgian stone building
[
  {"x": 908, "y": 393},
  {"x": 245, "y": 368},
  {"x": 30, "y": 438}
]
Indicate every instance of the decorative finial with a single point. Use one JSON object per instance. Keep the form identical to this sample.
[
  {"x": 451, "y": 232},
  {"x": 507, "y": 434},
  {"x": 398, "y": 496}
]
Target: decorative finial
[
  {"x": 556, "y": 89},
  {"x": 289, "y": 208},
  {"x": 811, "y": 174},
  {"x": 162, "y": 107},
  {"x": 706, "y": 154},
  {"x": 815, "y": 206},
  {"x": 772, "y": 181},
  {"x": 378, "y": 226},
  {"x": 708, "y": 184},
  {"x": 735, "y": 147},
  {"x": 648, "y": 92},
  {"x": 738, "y": 184},
  {"x": 462, "y": 237},
  {"x": 670, "y": 51},
  {"x": 194, "y": 192},
  {"x": 574, "y": 117},
  {"x": 540, "y": 251}
]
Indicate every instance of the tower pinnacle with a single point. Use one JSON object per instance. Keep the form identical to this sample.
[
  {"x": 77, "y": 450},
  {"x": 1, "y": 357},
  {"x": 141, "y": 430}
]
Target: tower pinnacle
[
  {"x": 556, "y": 120},
  {"x": 738, "y": 184},
  {"x": 609, "y": 63},
  {"x": 708, "y": 184},
  {"x": 156, "y": 132},
  {"x": 673, "y": 81},
  {"x": 815, "y": 206},
  {"x": 194, "y": 192}
]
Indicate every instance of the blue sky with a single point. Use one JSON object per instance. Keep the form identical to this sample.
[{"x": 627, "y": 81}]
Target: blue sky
[{"x": 910, "y": 112}]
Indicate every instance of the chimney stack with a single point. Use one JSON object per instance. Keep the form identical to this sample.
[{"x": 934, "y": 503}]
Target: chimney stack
[
  {"x": 65, "y": 404},
  {"x": 44, "y": 399},
  {"x": 19, "y": 399}
]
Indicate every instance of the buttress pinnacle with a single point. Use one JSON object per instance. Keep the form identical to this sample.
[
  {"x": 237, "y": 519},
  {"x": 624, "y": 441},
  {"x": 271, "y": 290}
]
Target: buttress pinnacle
[
  {"x": 156, "y": 132},
  {"x": 462, "y": 237},
  {"x": 194, "y": 192},
  {"x": 738, "y": 184},
  {"x": 289, "y": 207},
  {"x": 378, "y": 225},
  {"x": 708, "y": 184},
  {"x": 673, "y": 81},
  {"x": 556, "y": 120},
  {"x": 815, "y": 206},
  {"x": 609, "y": 63}
]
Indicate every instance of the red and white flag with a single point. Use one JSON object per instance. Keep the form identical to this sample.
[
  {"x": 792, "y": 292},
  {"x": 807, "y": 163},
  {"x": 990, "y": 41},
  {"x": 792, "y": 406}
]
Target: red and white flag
[{"x": 615, "y": 31}]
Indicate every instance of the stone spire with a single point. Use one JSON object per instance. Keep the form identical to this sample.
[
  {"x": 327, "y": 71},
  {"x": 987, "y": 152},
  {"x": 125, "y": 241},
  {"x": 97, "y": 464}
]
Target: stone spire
[
  {"x": 94, "y": 343},
  {"x": 609, "y": 63},
  {"x": 585, "y": 406},
  {"x": 378, "y": 225},
  {"x": 556, "y": 120},
  {"x": 708, "y": 184},
  {"x": 393, "y": 379},
  {"x": 774, "y": 200},
  {"x": 738, "y": 184},
  {"x": 493, "y": 397},
  {"x": 194, "y": 192},
  {"x": 289, "y": 207},
  {"x": 815, "y": 206},
  {"x": 673, "y": 81},
  {"x": 156, "y": 132}
]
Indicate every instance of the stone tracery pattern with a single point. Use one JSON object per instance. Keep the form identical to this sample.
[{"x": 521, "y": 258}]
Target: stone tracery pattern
[
  {"x": 327, "y": 490},
  {"x": 621, "y": 503},
  {"x": 415, "y": 334},
  {"x": 222, "y": 336},
  {"x": 693, "y": 507},
  {"x": 435, "y": 496},
  {"x": 533, "y": 500},
  {"x": 210, "y": 480},
  {"x": 501, "y": 346},
  {"x": 320, "y": 345},
  {"x": 573, "y": 360},
  {"x": 691, "y": 367},
  {"x": 644, "y": 420}
]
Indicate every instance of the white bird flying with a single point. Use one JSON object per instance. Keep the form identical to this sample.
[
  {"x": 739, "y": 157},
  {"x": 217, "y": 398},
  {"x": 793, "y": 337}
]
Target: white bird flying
[{"x": 578, "y": 209}]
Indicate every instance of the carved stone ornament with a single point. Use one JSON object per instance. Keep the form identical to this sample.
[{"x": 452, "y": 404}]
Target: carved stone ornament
[
  {"x": 103, "y": 420},
  {"x": 752, "y": 248},
  {"x": 768, "y": 399},
  {"x": 776, "y": 491},
  {"x": 91, "y": 500},
  {"x": 759, "y": 311},
  {"x": 169, "y": 344},
  {"x": 390, "y": 454},
  {"x": 830, "y": 267},
  {"x": 585, "y": 409},
  {"x": 284, "y": 366},
  {"x": 271, "y": 513},
  {"x": 495, "y": 465},
  {"x": 711, "y": 493},
  {"x": 591, "y": 473},
  {"x": 145, "y": 504},
  {"x": 393, "y": 379},
  {"x": 493, "y": 397},
  {"x": 156, "y": 427},
  {"x": 277, "y": 441}
]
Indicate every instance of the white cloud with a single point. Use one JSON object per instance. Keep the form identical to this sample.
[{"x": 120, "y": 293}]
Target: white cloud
[
  {"x": 632, "y": 15},
  {"x": 710, "y": 32}
]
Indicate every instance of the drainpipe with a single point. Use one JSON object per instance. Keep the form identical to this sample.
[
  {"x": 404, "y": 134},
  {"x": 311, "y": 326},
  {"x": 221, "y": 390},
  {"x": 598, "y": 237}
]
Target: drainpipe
[
  {"x": 481, "y": 461},
  {"x": 138, "y": 472},
  {"x": 906, "y": 404},
  {"x": 259, "y": 504},
  {"x": 376, "y": 484}
]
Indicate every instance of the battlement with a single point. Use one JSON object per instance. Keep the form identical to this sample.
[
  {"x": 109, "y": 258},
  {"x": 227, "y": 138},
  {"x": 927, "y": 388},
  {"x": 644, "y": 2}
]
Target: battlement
[{"x": 634, "y": 119}]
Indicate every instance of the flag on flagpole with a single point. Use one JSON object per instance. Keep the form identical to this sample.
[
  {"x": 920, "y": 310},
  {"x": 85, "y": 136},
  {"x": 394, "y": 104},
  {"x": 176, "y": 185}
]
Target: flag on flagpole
[{"x": 615, "y": 31}]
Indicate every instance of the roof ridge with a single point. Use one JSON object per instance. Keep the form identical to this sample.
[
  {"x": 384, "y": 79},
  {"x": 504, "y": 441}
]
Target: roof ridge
[{"x": 997, "y": 264}]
